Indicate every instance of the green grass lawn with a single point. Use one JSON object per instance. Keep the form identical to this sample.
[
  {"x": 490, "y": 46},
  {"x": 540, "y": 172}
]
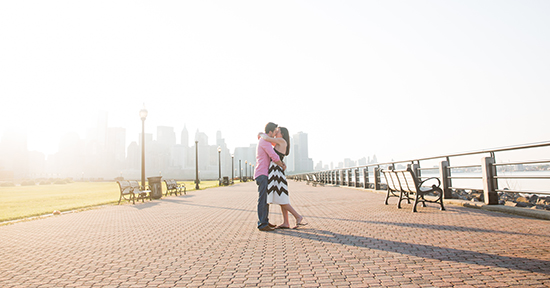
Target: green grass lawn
[{"x": 27, "y": 201}]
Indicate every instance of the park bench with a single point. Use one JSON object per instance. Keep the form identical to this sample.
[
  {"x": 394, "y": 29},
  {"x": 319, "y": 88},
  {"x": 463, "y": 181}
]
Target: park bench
[
  {"x": 393, "y": 187},
  {"x": 130, "y": 190},
  {"x": 317, "y": 180},
  {"x": 314, "y": 180},
  {"x": 172, "y": 186},
  {"x": 140, "y": 192},
  {"x": 310, "y": 180},
  {"x": 407, "y": 184}
]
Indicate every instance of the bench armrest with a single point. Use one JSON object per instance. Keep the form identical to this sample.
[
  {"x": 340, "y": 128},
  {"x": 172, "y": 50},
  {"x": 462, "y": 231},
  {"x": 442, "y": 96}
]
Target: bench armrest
[
  {"x": 432, "y": 178},
  {"x": 127, "y": 190}
]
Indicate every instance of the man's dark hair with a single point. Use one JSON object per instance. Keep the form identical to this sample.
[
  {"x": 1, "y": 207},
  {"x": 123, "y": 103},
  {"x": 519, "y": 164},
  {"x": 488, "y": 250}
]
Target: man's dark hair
[{"x": 270, "y": 127}]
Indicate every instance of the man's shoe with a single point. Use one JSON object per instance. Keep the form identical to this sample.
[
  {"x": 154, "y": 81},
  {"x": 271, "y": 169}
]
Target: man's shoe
[
  {"x": 272, "y": 225},
  {"x": 267, "y": 228}
]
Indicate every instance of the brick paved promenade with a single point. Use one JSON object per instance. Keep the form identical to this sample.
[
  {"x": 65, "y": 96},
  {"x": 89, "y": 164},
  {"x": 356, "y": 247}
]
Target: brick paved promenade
[{"x": 209, "y": 239}]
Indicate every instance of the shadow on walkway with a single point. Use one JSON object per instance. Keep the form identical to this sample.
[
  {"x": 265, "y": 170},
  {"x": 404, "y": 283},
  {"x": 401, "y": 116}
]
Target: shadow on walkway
[
  {"x": 424, "y": 251},
  {"x": 432, "y": 227}
]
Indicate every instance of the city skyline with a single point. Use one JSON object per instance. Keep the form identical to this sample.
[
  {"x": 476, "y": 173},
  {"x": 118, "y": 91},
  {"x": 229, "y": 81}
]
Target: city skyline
[{"x": 105, "y": 154}]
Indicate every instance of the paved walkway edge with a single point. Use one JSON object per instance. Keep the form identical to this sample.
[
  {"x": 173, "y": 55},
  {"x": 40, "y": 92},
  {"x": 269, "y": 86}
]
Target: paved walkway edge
[{"x": 539, "y": 214}]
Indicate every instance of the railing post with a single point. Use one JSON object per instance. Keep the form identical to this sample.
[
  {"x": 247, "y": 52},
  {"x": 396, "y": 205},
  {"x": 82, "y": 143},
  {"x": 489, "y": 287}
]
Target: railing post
[
  {"x": 445, "y": 183},
  {"x": 357, "y": 182},
  {"x": 489, "y": 182},
  {"x": 345, "y": 177},
  {"x": 414, "y": 168},
  {"x": 346, "y": 172},
  {"x": 376, "y": 178},
  {"x": 366, "y": 177}
]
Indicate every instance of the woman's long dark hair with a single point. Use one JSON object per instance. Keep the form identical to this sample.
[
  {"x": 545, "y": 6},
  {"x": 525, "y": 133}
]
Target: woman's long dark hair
[{"x": 284, "y": 132}]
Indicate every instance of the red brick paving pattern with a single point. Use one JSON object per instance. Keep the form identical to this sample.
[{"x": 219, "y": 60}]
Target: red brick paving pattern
[{"x": 209, "y": 239}]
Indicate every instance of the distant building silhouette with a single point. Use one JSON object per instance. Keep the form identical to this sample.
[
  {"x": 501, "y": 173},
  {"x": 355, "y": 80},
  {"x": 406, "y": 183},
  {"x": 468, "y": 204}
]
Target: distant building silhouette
[
  {"x": 299, "y": 152},
  {"x": 103, "y": 155}
]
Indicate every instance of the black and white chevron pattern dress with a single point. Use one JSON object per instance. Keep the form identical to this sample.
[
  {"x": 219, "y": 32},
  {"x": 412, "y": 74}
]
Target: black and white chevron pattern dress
[{"x": 277, "y": 186}]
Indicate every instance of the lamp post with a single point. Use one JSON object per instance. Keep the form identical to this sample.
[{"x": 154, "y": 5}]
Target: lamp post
[
  {"x": 143, "y": 115},
  {"x": 197, "y": 165},
  {"x": 220, "y": 165},
  {"x": 245, "y": 170},
  {"x": 232, "y": 167},
  {"x": 240, "y": 171}
]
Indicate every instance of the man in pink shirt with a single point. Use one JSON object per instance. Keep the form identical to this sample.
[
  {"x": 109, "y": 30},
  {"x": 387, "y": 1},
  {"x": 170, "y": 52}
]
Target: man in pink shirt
[{"x": 264, "y": 155}]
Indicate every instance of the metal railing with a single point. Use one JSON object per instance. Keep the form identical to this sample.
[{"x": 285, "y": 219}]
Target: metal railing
[{"x": 489, "y": 173}]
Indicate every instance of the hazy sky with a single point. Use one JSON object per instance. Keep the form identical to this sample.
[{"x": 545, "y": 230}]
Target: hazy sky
[{"x": 399, "y": 79}]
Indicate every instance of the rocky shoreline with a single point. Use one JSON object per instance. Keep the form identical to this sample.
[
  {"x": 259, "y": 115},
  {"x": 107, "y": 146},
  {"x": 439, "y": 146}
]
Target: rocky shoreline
[{"x": 530, "y": 201}]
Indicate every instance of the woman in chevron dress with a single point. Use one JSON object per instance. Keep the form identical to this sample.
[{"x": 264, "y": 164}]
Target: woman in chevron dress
[{"x": 277, "y": 187}]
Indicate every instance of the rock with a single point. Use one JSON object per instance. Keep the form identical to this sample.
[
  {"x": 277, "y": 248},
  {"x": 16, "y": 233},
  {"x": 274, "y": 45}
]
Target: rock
[
  {"x": 524, "y": 204},
  {"x": 543, "y": 201},
  {"x": 522, "y": 200}
]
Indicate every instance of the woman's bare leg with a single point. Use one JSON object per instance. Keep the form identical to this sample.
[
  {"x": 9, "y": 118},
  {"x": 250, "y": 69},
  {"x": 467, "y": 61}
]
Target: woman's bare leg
[
  {"x": 297, "y": 216},
  {"x": 285, "y": 217}
]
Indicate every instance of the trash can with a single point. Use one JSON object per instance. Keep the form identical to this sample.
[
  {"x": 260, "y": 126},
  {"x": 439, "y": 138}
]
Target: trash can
[{"x": 156, "y": 186}]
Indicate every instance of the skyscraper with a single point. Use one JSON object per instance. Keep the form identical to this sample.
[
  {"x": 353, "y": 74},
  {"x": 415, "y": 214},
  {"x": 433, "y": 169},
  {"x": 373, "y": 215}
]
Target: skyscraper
[
  {"x": 302, "y": 162},
  {"x": 185, "y": 137}
]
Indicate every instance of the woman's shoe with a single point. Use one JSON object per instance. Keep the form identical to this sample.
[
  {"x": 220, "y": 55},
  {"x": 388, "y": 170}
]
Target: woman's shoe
[{"x": 299, "y": 223}]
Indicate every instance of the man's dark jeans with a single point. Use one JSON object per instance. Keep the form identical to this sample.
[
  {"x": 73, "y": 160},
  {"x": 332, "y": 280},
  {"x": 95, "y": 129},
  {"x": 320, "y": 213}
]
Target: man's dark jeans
[{"x": 263, "y": 207}]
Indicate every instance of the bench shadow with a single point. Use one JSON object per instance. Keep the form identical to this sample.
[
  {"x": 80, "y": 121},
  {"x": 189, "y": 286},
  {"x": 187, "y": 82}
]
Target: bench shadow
[
  {"x": 423, "y": 251},
  {"x": 148, "y": 204},
  {"x": 453, "y": 228},
  {"x": 145, "y": 205},
  {"x": 432, "y": 226}
]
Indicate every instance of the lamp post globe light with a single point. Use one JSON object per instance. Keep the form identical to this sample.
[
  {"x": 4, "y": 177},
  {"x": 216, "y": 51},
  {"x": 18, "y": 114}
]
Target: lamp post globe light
[
  {"x": 143, "y": 115},
  {"x": 220, "y": 165}
]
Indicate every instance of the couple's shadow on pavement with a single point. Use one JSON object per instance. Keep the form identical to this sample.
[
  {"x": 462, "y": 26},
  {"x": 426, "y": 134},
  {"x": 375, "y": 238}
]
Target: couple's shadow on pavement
[{"x": 421, "y": 250}]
